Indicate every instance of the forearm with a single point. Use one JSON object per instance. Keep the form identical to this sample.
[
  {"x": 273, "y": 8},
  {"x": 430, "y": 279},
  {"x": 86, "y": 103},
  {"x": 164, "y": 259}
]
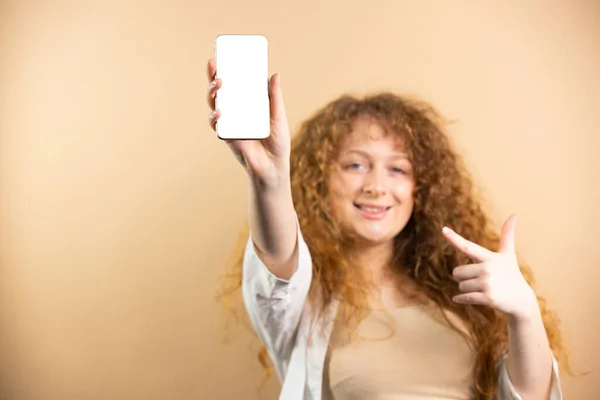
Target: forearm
[
  {"x": 273, "y": 225},
  {"x": 529, "y": 357}
]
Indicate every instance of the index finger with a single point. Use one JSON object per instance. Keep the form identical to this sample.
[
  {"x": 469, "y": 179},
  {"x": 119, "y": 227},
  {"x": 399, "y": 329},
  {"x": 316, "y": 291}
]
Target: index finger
[
  {"x": 211, "y": 70},
  {"x": 471, "y": 249}
]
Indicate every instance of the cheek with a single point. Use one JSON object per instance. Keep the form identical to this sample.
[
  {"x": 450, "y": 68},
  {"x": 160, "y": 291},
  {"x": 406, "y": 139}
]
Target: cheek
[
  {"x": 336, "y": 195},
  {"x": 342, "y": 191},
  {"x": 344, "y": 186},
  {"x": 405, "y": 192}
]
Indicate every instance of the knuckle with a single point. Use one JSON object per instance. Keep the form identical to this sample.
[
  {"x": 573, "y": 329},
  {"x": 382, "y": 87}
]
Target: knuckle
[
  {"x": 486, "y": 285},
  {"x": 485, "y": 271},
  {"x": 465, "y": 246}
]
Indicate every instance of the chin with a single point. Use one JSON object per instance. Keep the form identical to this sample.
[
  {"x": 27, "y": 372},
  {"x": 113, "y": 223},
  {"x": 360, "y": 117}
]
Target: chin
[{"x": 374, "y": 238}]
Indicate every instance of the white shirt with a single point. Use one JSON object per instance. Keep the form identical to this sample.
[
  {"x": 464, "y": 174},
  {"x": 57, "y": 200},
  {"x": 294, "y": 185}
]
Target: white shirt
[{"x": 281, "y": 316}]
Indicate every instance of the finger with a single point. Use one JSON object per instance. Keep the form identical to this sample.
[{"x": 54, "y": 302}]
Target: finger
[
  {"x": 507, "y": 237},
  {"x": 468, "y": 271},
  {"x": 211, "y": 70},
  {"x": 277, "y": 107},
  {"x": 211, "y": 92},
  {"x": 213, "y": 117},
  {"x": 472, "y": 285},
  {"x": 478, "y": 298},
  {"x": 471, "y": 249}
]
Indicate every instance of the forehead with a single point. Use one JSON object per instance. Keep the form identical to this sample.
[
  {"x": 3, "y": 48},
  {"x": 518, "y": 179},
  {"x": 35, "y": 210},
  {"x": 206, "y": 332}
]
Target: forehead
[{"x": 368, "y": 133}]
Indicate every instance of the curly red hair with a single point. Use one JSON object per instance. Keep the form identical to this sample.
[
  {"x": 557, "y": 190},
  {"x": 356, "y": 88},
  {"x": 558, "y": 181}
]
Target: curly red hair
[{"x": 444, "y": 196}]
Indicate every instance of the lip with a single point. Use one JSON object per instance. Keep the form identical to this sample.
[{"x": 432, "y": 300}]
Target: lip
[{"x": 377, "y": 213}]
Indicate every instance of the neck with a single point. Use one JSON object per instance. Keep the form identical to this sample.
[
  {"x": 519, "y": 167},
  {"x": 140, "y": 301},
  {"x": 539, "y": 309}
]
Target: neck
[
  {"x": 394, "y": 289},
  {"x": 377, "y": 258}
]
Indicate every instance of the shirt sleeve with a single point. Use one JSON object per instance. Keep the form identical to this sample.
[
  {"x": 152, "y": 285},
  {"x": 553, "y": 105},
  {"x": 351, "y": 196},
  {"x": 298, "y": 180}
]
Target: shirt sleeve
[
  {"x": 506, "y": 390},
  {"x": 275, "y": 305}
]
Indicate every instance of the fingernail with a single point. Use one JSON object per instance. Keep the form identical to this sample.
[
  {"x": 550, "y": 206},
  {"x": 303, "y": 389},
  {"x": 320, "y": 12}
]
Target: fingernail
[
  {"x": 212, "y": 114},
  {"x": 213, "y": 84}
]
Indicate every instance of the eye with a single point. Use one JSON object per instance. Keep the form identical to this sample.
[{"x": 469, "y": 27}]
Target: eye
[
  {"x": 398, "y": 170},
  {"x": 354, "y": 166}
]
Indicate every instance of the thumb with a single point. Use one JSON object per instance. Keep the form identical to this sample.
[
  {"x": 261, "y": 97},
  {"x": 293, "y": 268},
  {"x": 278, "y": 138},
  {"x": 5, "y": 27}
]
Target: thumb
[
  {"x": 277, "y": 107},
  {"x": 507, "y": 237}
]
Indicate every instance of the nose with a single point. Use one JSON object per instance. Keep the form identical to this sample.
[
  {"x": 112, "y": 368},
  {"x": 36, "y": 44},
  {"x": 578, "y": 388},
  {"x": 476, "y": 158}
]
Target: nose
[{"x": 374, "y": 183}]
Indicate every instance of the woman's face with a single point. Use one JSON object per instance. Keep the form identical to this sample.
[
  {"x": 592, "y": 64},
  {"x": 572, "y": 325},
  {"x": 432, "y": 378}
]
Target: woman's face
[{"x": 371, "y": 184}]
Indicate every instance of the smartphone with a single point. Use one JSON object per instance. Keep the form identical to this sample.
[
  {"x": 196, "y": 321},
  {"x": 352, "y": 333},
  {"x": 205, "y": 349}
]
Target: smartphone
[{"x": 243, "y": 66}]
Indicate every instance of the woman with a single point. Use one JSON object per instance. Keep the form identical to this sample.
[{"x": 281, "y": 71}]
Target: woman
[{"x": 372, "y": 271}]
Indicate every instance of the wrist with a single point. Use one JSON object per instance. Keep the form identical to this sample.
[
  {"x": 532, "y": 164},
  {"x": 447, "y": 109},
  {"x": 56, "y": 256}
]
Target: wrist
[
  {"x": 275, "y": 182},
  {"x": 527, "y": 312}
]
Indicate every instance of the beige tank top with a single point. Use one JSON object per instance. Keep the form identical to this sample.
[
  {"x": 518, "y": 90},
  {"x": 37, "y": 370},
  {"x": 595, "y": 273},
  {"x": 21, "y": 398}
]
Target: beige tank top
[{"x": 423, "y": 358}]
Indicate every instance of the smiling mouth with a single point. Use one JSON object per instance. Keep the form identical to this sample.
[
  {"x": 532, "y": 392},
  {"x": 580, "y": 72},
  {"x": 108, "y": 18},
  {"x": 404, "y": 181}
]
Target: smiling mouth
[{"x": 371, "y": 209}]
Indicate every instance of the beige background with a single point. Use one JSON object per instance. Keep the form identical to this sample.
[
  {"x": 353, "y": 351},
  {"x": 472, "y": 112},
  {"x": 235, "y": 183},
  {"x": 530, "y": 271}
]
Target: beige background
[{"x": 119, "y": 206}]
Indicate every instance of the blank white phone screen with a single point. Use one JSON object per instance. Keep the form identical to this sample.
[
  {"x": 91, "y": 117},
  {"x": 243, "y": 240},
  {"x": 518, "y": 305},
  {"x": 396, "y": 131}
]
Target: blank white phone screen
[{"x": 243, "y": 100}]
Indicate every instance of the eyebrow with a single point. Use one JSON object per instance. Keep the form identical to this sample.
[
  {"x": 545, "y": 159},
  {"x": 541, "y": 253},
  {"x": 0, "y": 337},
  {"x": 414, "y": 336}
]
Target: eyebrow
[{"x": 365, "y": 154}]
